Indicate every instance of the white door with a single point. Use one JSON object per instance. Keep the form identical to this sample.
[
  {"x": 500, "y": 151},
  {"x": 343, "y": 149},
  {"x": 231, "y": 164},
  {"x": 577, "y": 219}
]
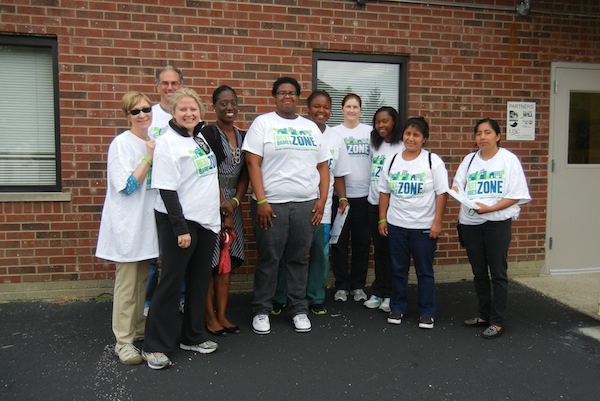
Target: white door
[{"x": 573, "y": 229}]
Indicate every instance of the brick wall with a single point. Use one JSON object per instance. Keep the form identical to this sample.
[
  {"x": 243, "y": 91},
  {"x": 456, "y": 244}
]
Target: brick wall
[{"x": 465, "y": 64}]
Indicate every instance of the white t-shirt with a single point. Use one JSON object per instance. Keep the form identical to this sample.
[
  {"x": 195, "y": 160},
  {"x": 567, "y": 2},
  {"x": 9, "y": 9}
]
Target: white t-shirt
[
  {"x": 488, "y": 181},
  {"x": 291, "y": 150},
  {"x": 413, "y": 187},
  {"x": 339, "y": 165},
  {"x": 378, "y": 158},
  {"x": 358, "y": 146},
  {"x": 180, "y": 165},
  {"x": 160, "y": 121},
  {"x": 127, "y": 228}
]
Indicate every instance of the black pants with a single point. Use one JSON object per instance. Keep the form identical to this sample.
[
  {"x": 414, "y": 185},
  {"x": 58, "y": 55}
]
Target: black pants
[
  {"x": 192, "y": 264},
  {"x": 382, "y": 285},
  {"x": 487, "y": 248},
  {"x": 357, "y": 226}
]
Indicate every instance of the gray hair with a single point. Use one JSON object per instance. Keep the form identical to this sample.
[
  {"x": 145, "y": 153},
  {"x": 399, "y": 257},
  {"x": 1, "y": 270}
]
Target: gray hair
[{"x": 169, "y": 68}]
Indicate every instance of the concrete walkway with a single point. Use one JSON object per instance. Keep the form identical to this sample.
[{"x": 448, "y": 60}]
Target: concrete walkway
[{"x": 578, "y": 291}]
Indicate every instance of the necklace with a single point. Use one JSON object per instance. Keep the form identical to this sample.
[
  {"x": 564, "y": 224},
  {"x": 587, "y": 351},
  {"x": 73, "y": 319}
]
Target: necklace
[{"x": 236, "y": 153}]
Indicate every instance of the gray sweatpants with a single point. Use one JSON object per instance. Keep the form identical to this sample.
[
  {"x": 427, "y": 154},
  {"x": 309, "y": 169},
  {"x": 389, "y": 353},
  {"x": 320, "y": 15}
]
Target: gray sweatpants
[{"x": 289, "y": 238}]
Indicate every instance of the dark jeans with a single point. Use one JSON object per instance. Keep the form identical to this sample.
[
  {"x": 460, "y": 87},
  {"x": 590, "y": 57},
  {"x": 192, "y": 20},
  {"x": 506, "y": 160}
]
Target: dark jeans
[
  {"x": 405, "y": 243},
  {"x": 487, "y": 248},
  {"x": 357, "y": 227},
  {"x": 194, "y": 264},
  {"x": 382, "y": 285}
]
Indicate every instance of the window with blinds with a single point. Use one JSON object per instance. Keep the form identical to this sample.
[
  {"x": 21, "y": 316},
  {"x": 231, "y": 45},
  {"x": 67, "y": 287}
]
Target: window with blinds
[
  {"x": 30, "y": 152},
  {"x": 379, "y": 80}
]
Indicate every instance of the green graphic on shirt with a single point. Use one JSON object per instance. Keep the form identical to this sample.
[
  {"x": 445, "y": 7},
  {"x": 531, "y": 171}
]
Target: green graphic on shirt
[
  {"x": 290, "y": 138},
  {"x": 357, "y": 147},
  {"x": 376, "y": 167},
  {"x": 407, "y": 185},
  {"x": 205, "y": 164},
  {"x": 485, "y": 184}
]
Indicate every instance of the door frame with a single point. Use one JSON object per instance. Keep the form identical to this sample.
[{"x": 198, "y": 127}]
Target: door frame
[{"x": 551, "y": 152}]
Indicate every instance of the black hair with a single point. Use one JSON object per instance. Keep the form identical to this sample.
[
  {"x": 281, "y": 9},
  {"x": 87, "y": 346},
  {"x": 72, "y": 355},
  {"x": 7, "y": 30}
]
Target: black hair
[
  {"x": 419, "y": 123},
  {"x": 316, "y": 93},
  {"x": 286, "y": 80},
  {"x": 376, "y": 139},
  {"x": 219, "y": 90},
  {"x": 495, "y": 126}
]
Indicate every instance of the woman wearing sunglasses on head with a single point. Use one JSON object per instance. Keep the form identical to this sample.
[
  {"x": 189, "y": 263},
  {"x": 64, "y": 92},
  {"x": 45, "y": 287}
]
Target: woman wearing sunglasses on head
[{"x": 128, "y": 229}]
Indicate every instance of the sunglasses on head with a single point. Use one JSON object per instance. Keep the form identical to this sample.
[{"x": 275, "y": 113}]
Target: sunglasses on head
[{"x": 135, "y": 112}]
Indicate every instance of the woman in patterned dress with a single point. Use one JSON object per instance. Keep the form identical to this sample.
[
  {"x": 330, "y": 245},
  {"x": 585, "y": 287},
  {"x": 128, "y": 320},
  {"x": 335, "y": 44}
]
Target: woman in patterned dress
[{"x": 226, "y": 141}]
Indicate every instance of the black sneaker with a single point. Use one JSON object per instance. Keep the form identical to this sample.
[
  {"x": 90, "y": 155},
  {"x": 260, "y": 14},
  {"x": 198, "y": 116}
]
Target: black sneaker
[
  {"x": 318, "y": 309},
  {"x": 277, "y": 308}
]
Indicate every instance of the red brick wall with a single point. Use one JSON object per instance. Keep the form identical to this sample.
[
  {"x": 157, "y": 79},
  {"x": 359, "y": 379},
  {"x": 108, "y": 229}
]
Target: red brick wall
[{"x": 465, "y": 64}]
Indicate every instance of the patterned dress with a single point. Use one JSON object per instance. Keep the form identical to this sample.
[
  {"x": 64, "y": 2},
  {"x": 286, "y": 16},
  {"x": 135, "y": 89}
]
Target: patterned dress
[{"x": 229, "y": 169}]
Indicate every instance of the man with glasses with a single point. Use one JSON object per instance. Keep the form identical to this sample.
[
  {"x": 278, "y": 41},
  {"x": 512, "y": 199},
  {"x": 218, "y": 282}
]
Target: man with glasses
[{"x": 168, "y": 80}]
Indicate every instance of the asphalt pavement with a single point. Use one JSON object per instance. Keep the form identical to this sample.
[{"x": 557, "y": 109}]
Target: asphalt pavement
[{"x": 65, "y": 351}]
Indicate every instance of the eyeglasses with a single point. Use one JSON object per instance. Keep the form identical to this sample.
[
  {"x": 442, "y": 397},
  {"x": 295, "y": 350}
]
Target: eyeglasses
[
  {"x": 135, "y": 112},
  {"x": 200, "y": 142},
  {"x": 283, "y": 94},
  {"x": 174, "y": 84}
]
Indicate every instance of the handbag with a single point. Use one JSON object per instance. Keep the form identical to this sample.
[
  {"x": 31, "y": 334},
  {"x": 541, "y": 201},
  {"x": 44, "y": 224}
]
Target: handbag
[{"x": 226, "y": 238}]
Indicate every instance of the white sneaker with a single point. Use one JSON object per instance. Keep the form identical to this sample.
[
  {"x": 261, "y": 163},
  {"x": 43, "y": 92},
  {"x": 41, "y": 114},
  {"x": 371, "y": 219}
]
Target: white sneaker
[
  {"x": 261, "y": 324},
  {"x": 341, "y": 295},
  {"x": 301, "y": 323},
  {"x": 374, "y": 302},
  {"x": 359, "y": 295},
  {"x": 385, "y": 305},
  {"x": 128, "y": 354}
]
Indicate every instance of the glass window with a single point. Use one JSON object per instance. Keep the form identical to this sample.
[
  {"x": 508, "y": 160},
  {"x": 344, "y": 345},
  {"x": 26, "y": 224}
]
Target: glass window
[
  {"x": 30, "y": 151},
  {"x": 379, "y": 80},
  {"x": 584, "y": 128}
]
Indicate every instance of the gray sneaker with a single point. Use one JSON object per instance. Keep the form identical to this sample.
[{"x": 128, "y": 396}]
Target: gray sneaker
[
  {"x": 204, "y": 348},
  {"x": 359, "y": 295},
  {"x": 156, "y": 360},
  {"x": 340, "y": 295}
]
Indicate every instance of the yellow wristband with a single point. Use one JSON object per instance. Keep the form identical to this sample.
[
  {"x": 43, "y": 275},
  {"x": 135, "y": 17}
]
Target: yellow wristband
[
  {"x": 236, "y": 200},
  {"x": 344, "y": 199},
  {"x": 145, "y": 159},
  {"x": 262, "y": 201},
  {"x": 382, "y": 221}
]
